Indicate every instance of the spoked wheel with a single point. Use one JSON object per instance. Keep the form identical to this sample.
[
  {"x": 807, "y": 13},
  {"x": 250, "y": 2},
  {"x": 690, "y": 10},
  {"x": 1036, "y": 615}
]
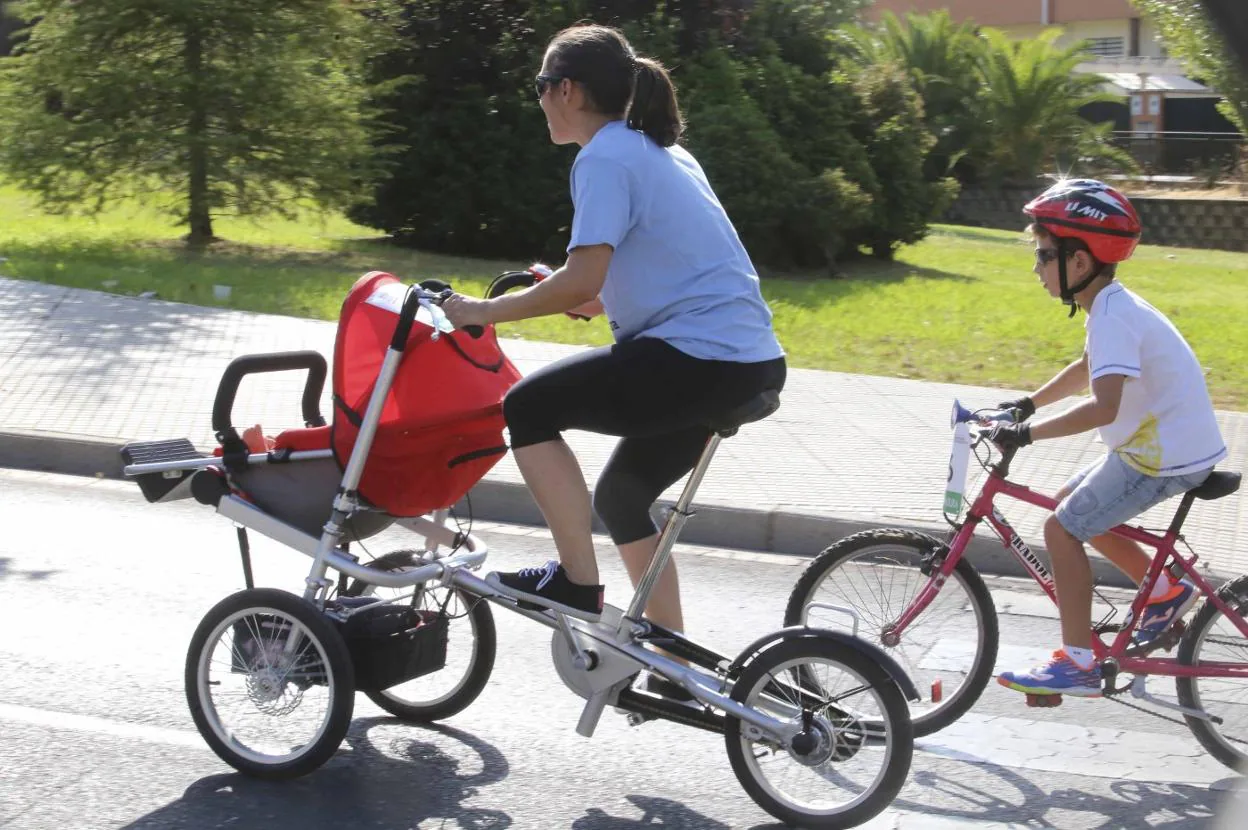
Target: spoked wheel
[
  {"x": 949, "y": 651},
  {"x": 270, "y": 683},
  {"x": 1213, "y": 638},
  {"x": 853, "y": 752},
  {"x": 471, "y": 646}
]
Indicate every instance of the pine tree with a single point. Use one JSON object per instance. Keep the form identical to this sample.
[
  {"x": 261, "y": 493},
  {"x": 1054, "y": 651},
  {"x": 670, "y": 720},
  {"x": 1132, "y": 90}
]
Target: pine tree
[{"x": 210, "y": 106}]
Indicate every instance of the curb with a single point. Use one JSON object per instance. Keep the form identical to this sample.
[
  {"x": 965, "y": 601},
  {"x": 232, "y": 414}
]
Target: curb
[{"x": 771, "y": 531}]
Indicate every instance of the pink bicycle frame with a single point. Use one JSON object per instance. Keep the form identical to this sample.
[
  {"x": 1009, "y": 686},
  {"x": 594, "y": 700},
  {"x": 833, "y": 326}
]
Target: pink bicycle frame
[{"x": 983, "y": 509}]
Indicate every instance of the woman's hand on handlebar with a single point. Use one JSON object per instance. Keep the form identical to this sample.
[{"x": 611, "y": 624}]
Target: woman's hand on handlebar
[{"x": 467, "y": 311}]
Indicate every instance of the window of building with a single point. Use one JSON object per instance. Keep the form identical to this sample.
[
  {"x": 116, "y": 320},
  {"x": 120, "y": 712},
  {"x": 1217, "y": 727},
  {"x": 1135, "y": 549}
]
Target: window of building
[{"x": 1107, "y": 47}]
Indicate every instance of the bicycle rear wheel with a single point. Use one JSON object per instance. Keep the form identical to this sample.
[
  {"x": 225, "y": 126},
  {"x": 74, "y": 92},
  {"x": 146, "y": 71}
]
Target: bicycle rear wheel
[
  {"x": 855, "y": 750},
  {"x": 949, "y": 651},
  {"x": 1213, "y": 637}
]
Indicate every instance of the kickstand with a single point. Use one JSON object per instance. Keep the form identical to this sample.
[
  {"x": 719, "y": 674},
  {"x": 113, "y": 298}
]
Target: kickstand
[{"x": 244, "y": 548}]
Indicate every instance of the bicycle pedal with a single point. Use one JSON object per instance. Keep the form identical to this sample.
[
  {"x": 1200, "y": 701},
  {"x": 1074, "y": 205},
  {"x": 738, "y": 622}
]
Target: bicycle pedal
[
  {"x": 1044, "y": 701},
  {"x": 1165, "y": 641}
]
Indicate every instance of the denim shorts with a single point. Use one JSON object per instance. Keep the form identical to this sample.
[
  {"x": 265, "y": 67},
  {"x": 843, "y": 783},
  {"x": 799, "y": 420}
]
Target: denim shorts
[{"x": 1109, "y": 492}]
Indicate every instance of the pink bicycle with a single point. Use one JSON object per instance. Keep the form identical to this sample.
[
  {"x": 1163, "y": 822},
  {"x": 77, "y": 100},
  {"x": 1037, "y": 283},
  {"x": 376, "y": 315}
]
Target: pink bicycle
[{"x": 919, "y": 596}]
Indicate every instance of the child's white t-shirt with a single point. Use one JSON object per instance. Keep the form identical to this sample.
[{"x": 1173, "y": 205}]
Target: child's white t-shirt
[{"x": 1165, "y": 425}]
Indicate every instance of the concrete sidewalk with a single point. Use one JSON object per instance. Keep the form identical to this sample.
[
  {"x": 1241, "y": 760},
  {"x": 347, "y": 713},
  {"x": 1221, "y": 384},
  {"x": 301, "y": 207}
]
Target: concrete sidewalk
[{"x": 82, "y": 372}]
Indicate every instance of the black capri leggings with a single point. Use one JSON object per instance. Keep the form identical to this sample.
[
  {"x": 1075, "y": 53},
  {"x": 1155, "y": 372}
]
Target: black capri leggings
[{"x": 655, "y": 397}]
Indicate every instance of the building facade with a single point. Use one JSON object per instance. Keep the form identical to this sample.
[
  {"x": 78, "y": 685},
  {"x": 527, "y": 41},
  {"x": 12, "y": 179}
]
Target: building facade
[
  {"x": 1112, "y": 28},
  {"x": 1156, "y": 95}
]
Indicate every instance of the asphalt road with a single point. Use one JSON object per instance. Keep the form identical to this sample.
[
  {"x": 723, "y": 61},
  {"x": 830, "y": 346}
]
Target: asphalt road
[{"x": 100, "y": 593}]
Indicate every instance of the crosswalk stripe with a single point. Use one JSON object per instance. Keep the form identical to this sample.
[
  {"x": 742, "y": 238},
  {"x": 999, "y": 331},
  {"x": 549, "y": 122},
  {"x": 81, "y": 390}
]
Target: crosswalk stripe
[
  {"x": 1077, "y": 750},
  {"x": 953, "y": 654},
  {"x": 904, "y": 820}
]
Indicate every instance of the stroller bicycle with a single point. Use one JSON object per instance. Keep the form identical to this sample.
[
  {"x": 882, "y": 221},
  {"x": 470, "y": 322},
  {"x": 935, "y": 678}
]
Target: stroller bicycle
[{"x": 816, "y": 722}]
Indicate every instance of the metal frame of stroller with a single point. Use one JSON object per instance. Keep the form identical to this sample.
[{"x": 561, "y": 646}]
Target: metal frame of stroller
[{"x": 598, "y": 660}]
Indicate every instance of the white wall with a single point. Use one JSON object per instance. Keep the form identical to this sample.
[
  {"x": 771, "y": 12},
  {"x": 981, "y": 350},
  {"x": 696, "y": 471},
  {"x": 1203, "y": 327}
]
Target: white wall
[{"x": 1082, "y": 30}]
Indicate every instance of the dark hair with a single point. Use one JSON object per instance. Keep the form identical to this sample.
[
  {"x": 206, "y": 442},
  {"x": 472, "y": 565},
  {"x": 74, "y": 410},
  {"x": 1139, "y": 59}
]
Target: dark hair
[
  {"x": 1072, "y": 245},
  {"x": 617, "y": 81}
]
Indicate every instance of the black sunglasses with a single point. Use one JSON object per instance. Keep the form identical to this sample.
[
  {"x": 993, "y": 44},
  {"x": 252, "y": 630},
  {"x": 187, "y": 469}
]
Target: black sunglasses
[
  {"x": 1046, "y": 255},
  {"x": 542, "y": 82}
]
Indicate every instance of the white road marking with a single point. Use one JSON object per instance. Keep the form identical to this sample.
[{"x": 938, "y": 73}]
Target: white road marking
[
  {"x": 950, "y": 654},
  {"x": 1078, "y": 750},
  {"x": 100, "y": 726}
]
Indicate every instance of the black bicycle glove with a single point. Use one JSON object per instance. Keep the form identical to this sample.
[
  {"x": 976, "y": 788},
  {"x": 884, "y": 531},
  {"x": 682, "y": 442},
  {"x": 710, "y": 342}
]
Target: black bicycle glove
[
  {"x": 1010, "y": 436},
  {"x": 1025, "y": 406}
]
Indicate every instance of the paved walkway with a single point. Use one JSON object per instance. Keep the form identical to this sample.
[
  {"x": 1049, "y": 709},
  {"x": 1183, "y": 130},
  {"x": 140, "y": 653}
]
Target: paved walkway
[{"x": 844, "y": 451}]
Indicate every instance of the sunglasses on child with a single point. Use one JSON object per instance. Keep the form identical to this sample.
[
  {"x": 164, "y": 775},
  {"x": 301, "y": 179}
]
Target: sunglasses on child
[
  {"x": 1046, "y": 255},
  {"x": 543, "y": 82}
]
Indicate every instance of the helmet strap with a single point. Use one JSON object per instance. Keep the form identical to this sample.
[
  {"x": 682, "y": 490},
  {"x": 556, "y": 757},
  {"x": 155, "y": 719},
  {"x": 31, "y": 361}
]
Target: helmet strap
[
  {"x": 1068, "y": 291},
  {"x": 1067, "y": 296}
]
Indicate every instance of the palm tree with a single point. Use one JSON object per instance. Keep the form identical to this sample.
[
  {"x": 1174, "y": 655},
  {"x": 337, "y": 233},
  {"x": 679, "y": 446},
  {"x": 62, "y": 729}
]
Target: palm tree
[
  {"x": 1029, "y": 99},
  {"x": 940, "y": 57}
]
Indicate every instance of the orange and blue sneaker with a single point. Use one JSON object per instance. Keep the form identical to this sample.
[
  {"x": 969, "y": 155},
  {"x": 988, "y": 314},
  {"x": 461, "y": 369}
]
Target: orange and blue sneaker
[
  {"x": 1059, "y": 676},
  {"x": 1167, "y": 609}
]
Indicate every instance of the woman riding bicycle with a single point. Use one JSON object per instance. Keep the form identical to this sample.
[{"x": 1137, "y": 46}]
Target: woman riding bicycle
[{"x": 652, "y": 247}]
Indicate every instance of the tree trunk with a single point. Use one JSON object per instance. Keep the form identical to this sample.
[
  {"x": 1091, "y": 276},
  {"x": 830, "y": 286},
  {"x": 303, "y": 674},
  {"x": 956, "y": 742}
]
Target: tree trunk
[{"x": 199, "y": 215}]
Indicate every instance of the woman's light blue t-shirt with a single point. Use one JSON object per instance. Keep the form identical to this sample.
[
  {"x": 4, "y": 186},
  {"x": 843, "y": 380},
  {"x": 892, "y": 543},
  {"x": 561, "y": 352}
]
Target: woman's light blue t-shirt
[{"x": 679, "y": 272}]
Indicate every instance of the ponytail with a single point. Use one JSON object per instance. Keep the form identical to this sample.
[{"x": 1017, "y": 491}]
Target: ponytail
[{"x": 653, "y": 109}]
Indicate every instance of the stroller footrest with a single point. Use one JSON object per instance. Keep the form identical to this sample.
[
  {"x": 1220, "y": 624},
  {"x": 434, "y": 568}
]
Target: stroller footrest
[{"x": 166, "y": 485}]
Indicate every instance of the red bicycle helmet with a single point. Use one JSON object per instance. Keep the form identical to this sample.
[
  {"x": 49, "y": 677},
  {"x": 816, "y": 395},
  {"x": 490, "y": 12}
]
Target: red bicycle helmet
[{"x": 1089, "y": 210}]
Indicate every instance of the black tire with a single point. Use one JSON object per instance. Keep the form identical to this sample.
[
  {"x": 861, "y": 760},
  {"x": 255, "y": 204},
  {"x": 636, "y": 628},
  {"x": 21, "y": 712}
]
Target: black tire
[
  {"x": 895, "y": 723},
  {"x": 927, "y": 718},
  {"x": 480, "y": 664},
  {"x": 331, "y": 653},
  {"x": 1232, "y": 751}
]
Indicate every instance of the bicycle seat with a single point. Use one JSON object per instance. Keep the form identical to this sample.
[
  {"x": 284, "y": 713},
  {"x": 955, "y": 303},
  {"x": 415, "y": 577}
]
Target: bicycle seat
[
  {"x": 755, "y": 409},
  {"x": 1217, "y": 485}
]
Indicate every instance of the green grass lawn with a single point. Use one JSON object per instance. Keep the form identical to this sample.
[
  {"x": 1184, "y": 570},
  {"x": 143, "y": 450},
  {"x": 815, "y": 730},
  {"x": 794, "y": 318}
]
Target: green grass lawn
[{"x": 962, "y": 306}]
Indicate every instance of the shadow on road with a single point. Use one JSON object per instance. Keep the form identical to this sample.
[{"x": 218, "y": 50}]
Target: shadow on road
[
  {"x": 1000, "y": 794},
  {"x": 655, "y": 812},
  {"x": 394, "y": 777},
  {"x": 7, "y": 571},
  {"x": 389, "y": 774}
]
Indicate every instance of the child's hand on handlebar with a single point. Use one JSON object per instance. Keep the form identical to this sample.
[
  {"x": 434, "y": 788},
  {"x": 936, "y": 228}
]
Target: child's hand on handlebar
[
  {"x": 1023, "y": 407},
  {"x": 467, "y": 311},
  {"x": 1010, "y": 436}
]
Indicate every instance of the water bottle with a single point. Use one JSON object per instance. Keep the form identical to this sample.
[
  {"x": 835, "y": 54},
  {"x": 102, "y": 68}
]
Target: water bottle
[{"x": 959, "y": 457}]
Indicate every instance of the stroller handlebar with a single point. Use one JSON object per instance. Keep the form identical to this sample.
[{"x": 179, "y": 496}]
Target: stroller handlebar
[{"x": 417, "y": 296}]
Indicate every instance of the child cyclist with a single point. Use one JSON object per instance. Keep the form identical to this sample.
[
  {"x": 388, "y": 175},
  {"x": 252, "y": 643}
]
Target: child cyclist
[{"x": 1149, "y": 402}]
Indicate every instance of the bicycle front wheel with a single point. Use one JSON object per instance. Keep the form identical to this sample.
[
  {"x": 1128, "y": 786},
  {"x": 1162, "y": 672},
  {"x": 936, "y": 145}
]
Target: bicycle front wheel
[
  {"x": 270, "y": 683},
  {"x": 1212, "y": 637},
  {"x": 949, "y": 651}
]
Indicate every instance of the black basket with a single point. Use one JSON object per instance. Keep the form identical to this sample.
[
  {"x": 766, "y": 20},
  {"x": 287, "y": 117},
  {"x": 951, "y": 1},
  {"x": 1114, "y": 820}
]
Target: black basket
[
  {"x": 392, "y": 644},
  {"x": 389, "y": 645}
]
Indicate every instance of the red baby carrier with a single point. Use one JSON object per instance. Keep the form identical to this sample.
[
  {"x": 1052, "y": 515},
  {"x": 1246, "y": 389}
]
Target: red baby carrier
[{"x": 442, "y": 426}]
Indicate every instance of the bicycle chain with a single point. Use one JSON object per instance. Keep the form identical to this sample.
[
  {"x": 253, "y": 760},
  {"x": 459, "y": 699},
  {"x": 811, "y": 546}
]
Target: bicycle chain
[{"x": 1145, "y": 710}]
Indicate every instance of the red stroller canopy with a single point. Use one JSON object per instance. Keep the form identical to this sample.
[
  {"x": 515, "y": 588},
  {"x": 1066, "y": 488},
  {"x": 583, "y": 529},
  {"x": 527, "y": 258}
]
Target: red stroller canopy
[{"x": 441, "y": 426}]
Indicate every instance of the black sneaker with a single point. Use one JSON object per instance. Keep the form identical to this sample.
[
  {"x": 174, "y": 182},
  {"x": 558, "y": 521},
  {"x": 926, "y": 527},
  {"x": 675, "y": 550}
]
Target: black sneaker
[
  {"x": 660, "y": 686},
  {"x": 549, "y": 587}
]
